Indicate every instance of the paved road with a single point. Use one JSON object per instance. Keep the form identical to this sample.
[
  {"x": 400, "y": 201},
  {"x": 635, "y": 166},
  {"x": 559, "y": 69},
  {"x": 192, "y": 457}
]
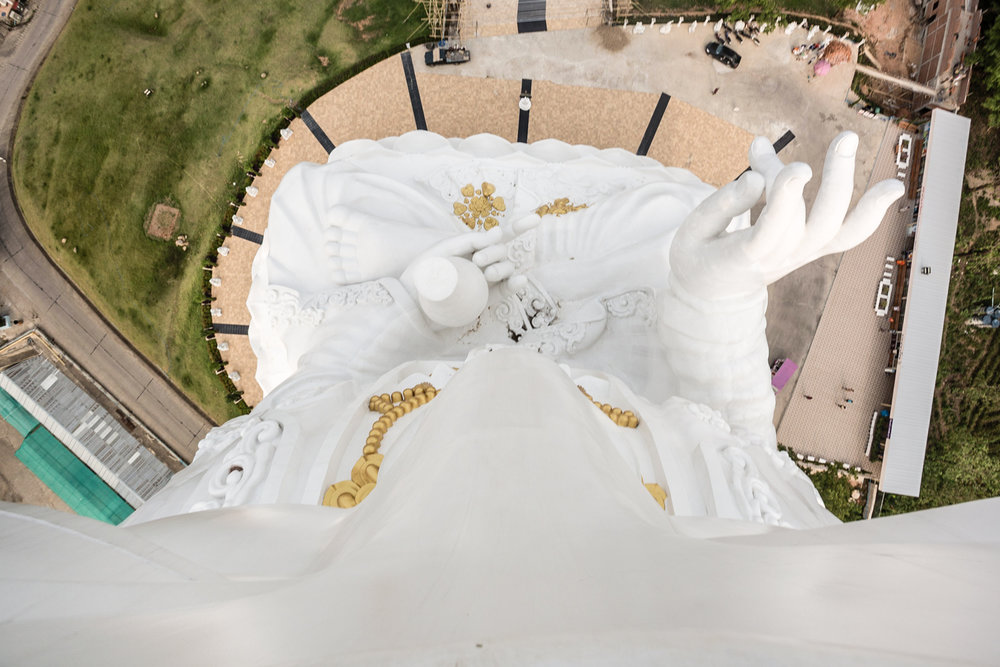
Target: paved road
[{"x": 32, "y": 287}]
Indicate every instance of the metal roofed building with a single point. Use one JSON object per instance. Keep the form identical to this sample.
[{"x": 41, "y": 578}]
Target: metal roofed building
[
  {"x": 926, "y": 301},
  {"x": 70, "y": 478},
  {"x": 86, "y": 429}
]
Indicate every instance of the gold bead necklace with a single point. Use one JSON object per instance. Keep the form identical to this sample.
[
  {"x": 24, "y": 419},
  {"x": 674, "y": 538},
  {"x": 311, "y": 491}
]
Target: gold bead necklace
[
  {"x": 624, "y": 418},
  {"x": 364, "y": 474}
]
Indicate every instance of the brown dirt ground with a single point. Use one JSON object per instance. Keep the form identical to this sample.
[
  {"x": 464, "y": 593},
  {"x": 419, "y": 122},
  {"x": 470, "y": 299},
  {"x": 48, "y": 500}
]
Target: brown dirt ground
[
  {"x": 992, "y": 193},
  {"x": 612, "y": 38},
  {"x": 361, "y": 26},
  {"x": 162, "y": 222},
  {"x": 892, "y": 27}
]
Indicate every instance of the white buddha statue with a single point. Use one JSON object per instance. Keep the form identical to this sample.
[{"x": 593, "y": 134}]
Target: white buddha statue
[
  {"x": 517, "y": 409},
  {"x": 398, "y": 260}
]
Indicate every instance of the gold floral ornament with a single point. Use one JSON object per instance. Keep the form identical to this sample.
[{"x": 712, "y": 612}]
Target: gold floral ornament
[
  {"x": 364, "y": 474},
  {"x": 560, "y": 206},
  {"x": 479, "y": 208}
]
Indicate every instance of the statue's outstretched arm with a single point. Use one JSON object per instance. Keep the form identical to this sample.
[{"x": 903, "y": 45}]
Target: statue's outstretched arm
[{"x": 712, "y": 313}]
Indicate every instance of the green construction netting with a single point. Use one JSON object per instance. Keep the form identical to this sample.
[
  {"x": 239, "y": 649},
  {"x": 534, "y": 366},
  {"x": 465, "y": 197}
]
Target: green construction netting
[
  {"x": 71, "y": 479},
  {"x": 14, "y": 414}
]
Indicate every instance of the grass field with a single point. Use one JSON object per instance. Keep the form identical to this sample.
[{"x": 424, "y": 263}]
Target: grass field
[{"x": 94, "y": 154}]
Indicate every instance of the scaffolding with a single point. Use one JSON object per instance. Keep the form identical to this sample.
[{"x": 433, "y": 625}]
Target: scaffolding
[
  {"x": 444, "y": 20},
  {"x": 894, "y": 98},
  {"x": 615, "y": 11}
]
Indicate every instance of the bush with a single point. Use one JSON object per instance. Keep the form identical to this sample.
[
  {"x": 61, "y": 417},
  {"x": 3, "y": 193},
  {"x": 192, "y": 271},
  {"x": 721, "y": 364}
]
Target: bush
[{"x": 836, "y": 493}]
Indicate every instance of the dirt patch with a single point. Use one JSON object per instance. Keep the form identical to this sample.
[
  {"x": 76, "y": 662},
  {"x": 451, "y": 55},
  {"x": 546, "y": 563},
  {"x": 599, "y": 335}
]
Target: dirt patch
[
  {"x": 985, "y": 189},
  {"x": 361, "y": 26},
  {"x": 611, "y": 38},
  {"x": 343, "y": 7},
  {"x": 161, "y": 222},
  {"x": 892, "y": 31},
  {"x": 979, "y": 178}
]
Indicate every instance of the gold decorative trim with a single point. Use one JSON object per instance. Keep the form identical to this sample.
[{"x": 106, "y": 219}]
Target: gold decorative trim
[
  {"x": 658, "y": 493},
  {"x": 560, "y": 206},
  {"x": 624, "y": 418},
  {"x": 479, "y": 208},
  {"x": 364, "y": 474},
  {"x": 627, "y": 419}
]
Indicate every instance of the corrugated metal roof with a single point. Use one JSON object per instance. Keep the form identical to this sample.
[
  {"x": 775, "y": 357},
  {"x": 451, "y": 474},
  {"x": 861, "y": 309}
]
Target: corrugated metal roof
[
  {"x": 86, "y": 428},
  {"x": 926, "y": 300}
]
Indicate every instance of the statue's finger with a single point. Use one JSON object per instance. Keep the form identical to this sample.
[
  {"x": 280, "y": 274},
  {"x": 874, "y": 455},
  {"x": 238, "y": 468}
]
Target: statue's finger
[
  {"x": 516, "y": 282},
  {"x": 834, "y": 196},
  {"x": 499, "y": 271},
  {"x": 465, "y": 243},
  {"x": 711, "y": 217},
  {"x": 488, "y": 238},
  {"x": 781, "y": 225},
  {"x": 489, "y": 255},
  {"x": 866, "y": 216},
  {"x": 522, "y": 225},
  {"x": 764, "y": 161}
]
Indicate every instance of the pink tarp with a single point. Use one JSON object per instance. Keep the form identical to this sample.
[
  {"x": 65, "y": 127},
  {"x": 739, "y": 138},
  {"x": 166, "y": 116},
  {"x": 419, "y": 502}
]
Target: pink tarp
[
  {"x": 822, "y": 68},
  {"x": 784, "y": 373}
]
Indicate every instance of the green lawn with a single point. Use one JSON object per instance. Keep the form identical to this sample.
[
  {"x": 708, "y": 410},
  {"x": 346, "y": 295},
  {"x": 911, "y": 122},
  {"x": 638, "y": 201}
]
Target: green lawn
[{"x": 93, "y": 154}]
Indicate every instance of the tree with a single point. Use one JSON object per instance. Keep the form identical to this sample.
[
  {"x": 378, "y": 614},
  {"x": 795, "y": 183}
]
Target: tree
[
  {"x": 986, "y": 58},
  {"x": 836, "y": 493}
]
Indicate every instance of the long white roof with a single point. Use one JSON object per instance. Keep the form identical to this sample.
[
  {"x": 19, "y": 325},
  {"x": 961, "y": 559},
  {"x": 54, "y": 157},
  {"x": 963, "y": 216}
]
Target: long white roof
[{"x": 926, "y": 300}]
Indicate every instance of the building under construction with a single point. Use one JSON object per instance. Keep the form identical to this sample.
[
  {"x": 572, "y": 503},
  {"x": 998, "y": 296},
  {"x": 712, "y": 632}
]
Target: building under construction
[
  {"x": 940, "y": 80},
  {"x": 444, "y": 20}
]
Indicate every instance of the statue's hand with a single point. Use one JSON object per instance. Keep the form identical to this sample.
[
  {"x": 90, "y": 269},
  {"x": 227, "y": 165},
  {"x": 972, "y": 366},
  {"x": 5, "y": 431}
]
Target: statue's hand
[
  {"x": 490, "y": 251},
  {"x": 461, "y": 245},
  {"x": 507, "y": 259},
  {"x": 451, "y": 290},
  {"x": 711, "y": 263}
]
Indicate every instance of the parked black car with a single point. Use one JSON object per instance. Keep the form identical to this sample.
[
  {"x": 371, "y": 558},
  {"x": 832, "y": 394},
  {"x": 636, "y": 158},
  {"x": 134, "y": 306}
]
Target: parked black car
[
  {"x": 723, "y": 54},
  {"x": 450, "y": 56}
]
